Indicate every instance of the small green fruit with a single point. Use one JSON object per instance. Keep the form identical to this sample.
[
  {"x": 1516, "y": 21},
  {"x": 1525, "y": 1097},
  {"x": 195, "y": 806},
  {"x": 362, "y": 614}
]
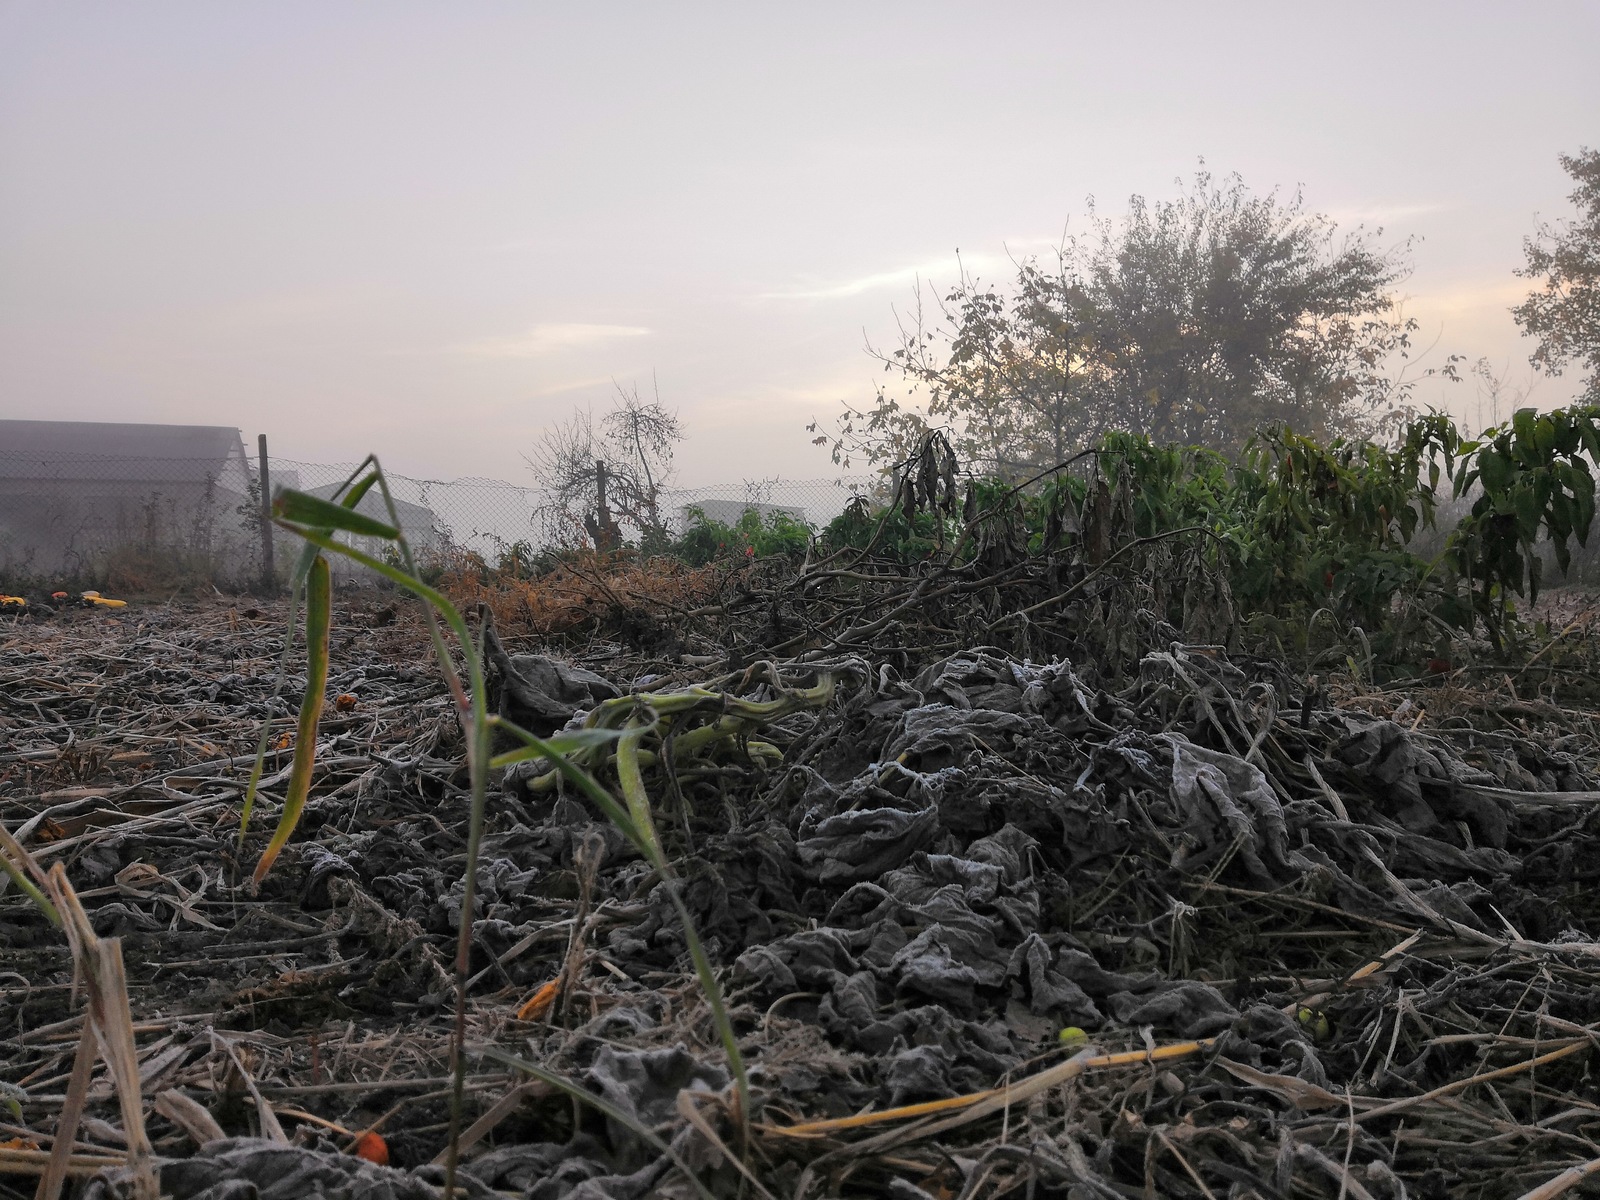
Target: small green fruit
[
  {"x": 1315, "y": 1021},
  {"x": 1071, "y": 1036}
]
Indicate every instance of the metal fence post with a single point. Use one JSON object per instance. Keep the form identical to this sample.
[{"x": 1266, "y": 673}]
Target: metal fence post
[{"x": 269, "y": 574}]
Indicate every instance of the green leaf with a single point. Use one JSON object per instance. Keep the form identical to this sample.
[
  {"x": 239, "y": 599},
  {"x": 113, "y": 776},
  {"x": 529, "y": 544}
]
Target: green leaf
[
  {"x": 568, "y": 741},
  {"x": 584, "y": 782},
  {"x": 1567, "y": 437},
  {"x": 1496, "y": 470},
  {"x": 17, "y": 872},
  {"x": 13, "y": 1098},
  {"x": 353, "y": 497},
  {"x": 1559, "y": 519},
  {"x": 308, "y": 552},
  {"x": 325, "y": 514},
  {"x": 302, "y": 569},
  {"x": 1523, "y": 423},
  {"x": 1583, "y": 516},
  {"x": 631, "y": 780},
  {"x": 1579, "y": 479},
  {"x": 1590, "y": 433},
  {"x": 1544, "y": 436},
  {"x": 319, "y": 609},
  {"x": 720, "y": 1016}
]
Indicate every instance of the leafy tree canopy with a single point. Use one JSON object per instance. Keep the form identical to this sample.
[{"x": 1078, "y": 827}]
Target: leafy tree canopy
[
  {"x": 1194, "y": 321},
  {"x": 1564, "y": 314}
]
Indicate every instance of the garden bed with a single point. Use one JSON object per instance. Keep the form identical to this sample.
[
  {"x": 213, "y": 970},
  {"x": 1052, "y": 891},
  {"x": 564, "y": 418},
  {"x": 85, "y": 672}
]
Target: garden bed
[{"x": 1193, "y": 927}]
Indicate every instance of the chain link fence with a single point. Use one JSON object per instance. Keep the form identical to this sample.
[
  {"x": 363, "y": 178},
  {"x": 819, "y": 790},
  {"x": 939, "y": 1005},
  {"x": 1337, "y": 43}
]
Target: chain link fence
[
  {"x": 145, "y": 523},
  {"x": 78, "y": 519}
]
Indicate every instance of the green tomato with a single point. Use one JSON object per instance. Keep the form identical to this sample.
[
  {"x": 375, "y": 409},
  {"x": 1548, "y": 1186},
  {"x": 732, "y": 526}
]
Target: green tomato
[{"x": 1315, "y": 1021}]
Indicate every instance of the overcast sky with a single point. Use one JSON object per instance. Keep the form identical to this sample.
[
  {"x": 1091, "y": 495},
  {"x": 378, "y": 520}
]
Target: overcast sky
[{"x": 432, "y": 229}]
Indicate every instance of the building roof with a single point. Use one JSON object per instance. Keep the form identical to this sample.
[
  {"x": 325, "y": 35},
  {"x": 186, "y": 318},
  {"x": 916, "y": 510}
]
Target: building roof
[{"x": 115, "y": 450}]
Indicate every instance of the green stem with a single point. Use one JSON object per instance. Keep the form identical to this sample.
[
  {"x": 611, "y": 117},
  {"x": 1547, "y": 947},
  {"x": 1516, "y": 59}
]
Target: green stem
[
  {"x": 631, "y": 778},
  {"x": 477, "y": 762},
  {"x": 22, "y": 881},
  {"x": 475, "y": 722},
  {"x": 633, "y": 791}
]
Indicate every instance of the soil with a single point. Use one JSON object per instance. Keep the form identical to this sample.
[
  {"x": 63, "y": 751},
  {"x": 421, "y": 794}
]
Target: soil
[{"x": 1220, "y": 931}]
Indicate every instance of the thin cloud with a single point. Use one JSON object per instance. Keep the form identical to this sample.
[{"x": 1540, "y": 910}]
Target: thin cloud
[
  {"x": 825, "y": 391},
  {"x": 1483, "y": 296},
  {"x": 944, "y": 268},
  {"x": 543, "y": 340},
  {"x": 1383, "y": 214}
]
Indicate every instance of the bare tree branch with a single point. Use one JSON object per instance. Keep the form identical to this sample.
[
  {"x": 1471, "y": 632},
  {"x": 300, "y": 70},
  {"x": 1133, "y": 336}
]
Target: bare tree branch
[{"x": 602, "y": 480}]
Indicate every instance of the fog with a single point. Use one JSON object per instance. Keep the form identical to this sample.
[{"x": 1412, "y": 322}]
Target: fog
[{"x": 430, "y": 230}]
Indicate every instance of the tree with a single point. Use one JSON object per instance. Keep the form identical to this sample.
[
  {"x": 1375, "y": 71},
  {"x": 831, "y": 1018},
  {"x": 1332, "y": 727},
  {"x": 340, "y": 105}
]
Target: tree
[
  {"x": 1565, "y": 313},
  {"x": 1006, "y": 371},
  {"x": 599, "y": 480},
  {"x": 1194, "y": 321}
]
